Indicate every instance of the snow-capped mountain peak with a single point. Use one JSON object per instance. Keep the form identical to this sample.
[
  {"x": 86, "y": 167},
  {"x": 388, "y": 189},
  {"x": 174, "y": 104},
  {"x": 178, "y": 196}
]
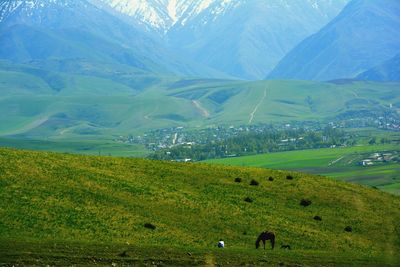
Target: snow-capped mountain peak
[{"x": 164, "y": 14}]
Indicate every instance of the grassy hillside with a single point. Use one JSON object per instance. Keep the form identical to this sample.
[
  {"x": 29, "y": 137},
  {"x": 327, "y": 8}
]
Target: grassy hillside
[
  {"x": 338, "y": 163},
  {"x": 56, "y": 102},
  {"x": 68, "y": 209},
  {"x": 86, "y": 147}
]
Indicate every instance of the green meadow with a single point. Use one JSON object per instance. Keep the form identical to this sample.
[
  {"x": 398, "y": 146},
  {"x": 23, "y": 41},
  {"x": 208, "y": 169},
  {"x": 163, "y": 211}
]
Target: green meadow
[
  {"x": 338, "y": 163},
  {"x": 62, "y": 209},
  {"x": 86, "y": 147}
]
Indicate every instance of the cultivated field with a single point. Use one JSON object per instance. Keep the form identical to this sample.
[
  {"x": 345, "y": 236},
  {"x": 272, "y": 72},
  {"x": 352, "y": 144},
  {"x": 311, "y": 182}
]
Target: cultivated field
[{"x": 339, "y": 163}]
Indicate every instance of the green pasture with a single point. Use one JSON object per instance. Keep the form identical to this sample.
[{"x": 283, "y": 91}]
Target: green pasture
[
  {"x": 338, "y": 163},
  {"x": 87, "y": 147}
]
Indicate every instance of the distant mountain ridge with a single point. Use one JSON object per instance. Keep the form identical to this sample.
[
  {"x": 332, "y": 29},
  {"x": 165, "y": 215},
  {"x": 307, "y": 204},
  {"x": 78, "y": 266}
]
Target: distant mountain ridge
[
  {"x": 78, "y": 29},
  {"x": 387, "y": 71},
  {"x": 363, "y": 35},
  {"x": 243, "y": 38}
]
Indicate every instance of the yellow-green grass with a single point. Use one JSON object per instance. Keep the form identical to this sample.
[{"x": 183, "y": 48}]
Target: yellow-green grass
[
  {"x": 71, "y": 209},
  {"x": 338, "y": 163},
  {"x": 87, "y": 147}
]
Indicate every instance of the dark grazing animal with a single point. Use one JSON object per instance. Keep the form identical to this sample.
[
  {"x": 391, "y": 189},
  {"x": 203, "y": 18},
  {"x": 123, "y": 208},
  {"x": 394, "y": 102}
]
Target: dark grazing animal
[{"x": 264, "y": 236}]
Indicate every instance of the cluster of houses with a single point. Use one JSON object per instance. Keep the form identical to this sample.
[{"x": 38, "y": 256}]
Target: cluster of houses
[{"x": 377, "y": 158}]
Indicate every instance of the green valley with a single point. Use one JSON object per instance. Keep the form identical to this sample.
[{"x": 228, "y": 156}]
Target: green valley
[{"x": 340, "y": 163}]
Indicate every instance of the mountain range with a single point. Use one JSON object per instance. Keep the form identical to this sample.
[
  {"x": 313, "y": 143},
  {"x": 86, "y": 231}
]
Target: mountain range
[
  {"x": 69, "y": 29},
  {"x": 364, "y": 35},
  {"x": 242, "y": 38},
  {"x": 213, "y": 38}
]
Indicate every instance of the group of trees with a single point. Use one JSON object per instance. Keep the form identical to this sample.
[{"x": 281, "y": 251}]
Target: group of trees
[{"x": 256, "y": 143}]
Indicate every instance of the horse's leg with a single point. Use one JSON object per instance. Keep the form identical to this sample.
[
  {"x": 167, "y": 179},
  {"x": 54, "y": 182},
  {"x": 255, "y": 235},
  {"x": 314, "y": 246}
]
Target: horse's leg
[
  {"x": 264, "y": 243},
  {"x": 273, "y": 242}
]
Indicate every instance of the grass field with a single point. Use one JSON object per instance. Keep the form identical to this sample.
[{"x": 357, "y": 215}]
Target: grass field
[
  {"x": 62, "y": 209},
  {"x": 338, "y": 163},
  {"x": 86, "y": 147}
]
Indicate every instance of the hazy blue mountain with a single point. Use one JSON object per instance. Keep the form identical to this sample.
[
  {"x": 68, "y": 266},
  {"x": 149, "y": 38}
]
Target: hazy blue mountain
[
  {"x": 249, "y": 38},
  {"x": 387, "y": 71},
  {"x": 243, "y": 38},
  {"x": 77, "y": 29},
  {"x": 362, "y": 36}
]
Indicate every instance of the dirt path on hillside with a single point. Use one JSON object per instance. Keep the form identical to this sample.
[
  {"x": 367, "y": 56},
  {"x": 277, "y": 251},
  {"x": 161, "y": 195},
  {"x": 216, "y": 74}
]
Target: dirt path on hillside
[
  {"x": 147, "y": 116},
  {"x": 257, "y": 106},
  {"x": 355, "y": 94},
  {"x": 204, "y": 112},
  {"x": 29, "y": 126}
]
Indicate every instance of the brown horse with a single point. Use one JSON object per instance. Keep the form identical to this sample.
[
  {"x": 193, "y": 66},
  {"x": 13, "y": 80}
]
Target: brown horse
[{"x": 266, "y": 236}]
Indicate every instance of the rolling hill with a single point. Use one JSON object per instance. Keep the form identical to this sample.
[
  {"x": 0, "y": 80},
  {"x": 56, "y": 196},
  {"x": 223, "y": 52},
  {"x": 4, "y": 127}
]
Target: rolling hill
[
  {"x": 66, "y": 209},
  {"x": 80, "y": 99},
  {"x": 362, "y": 36}
]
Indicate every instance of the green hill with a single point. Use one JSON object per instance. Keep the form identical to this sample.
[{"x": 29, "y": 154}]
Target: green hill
[
  {"x": 83, "y": 100},
  {"x": 62, "y": 209}
]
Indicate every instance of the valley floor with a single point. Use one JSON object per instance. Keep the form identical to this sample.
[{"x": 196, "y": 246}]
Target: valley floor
[{"x": 339, "y": 163}]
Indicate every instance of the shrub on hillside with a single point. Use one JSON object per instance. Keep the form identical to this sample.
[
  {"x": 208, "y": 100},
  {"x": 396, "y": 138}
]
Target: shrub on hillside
[
  {"x": 150, "y": 226},
  {"x": 254, "y": 182},
  {"x": 348, "y": 229},
  {"x": 247, "y": 199},
  {"x": 317, "y": 218},
  {"x": 305, "y": 202},
  {"x": 238, "y": 180}
]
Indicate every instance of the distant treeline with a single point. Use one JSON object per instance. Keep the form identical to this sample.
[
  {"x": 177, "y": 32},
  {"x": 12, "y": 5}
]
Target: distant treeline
[{"x": 256, "y": 143}]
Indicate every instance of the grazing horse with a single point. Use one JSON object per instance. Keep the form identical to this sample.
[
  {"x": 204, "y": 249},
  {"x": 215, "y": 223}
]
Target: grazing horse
[{"x": 266, "y": 236}]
